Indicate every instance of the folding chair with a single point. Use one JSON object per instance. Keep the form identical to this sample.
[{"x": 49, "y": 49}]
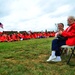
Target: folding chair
[{"x": 68, "y": 47}]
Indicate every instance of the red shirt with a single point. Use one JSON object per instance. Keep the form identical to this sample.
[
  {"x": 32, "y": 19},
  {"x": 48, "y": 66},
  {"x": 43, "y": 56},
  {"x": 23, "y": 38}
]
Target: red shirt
[{"x": 70, "y": 34}]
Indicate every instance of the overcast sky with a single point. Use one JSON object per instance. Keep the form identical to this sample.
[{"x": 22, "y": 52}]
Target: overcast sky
[{"x": 34, "y": 15}]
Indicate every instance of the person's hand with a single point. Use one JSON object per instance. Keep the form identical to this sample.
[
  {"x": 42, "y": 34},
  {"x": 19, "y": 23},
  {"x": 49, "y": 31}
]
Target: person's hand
[{"x": 60, "y": 32}]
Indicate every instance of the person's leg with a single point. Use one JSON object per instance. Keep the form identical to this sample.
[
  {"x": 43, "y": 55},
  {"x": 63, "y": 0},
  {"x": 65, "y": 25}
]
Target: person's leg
[
  {"x": 55, "y": 50},
  {"x": 54, "y": 47},
  {"x": 58, "y": 53}
]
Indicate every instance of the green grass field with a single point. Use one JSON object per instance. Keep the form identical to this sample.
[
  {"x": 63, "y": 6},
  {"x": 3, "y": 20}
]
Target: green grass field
[{"x": 29, "y": 57}]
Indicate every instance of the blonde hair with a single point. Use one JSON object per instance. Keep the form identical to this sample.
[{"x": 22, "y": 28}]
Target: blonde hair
[{"x": 71, "y": 17}]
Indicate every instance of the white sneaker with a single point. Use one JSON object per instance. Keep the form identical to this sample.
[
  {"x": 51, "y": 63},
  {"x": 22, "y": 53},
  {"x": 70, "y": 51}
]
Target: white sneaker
[
  {"x": 56, "y": 60},
  {"x": 51, "y": 58}
]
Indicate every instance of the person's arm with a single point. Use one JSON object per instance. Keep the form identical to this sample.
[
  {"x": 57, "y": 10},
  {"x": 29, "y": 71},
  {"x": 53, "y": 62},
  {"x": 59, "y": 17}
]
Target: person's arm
[{"x": 70, "y": 33}]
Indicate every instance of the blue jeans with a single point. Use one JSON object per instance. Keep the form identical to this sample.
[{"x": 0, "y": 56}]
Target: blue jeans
[{"x": 56, "y": 44}]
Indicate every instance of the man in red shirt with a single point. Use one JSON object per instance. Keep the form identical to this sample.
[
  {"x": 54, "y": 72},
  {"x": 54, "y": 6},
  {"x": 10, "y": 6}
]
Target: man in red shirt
[{"x": 69, "y": 33}]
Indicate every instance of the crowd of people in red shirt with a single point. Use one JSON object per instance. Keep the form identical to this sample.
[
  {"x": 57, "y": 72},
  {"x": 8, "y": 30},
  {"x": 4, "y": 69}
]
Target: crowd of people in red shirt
[{"x": 5, "y": 37}]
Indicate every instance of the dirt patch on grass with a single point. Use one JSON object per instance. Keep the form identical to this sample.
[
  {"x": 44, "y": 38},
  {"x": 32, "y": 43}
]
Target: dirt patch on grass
[
  {"x": 12, "y": 60},
  {"x": 41, "y": 58}
]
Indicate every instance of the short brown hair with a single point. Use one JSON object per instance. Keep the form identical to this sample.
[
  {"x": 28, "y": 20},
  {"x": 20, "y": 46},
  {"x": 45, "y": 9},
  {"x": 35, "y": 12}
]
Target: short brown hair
[{"x": 61, "y": 24}]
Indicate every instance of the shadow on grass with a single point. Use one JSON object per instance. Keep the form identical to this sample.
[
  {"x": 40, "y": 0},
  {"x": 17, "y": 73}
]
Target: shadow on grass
[
  {"x": 71, "y": 64},
  {"x": 51, "y": 62}
]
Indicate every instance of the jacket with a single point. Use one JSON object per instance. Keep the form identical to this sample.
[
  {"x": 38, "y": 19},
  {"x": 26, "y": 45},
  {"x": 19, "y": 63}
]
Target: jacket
[{"x": 70, "y": 34}]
